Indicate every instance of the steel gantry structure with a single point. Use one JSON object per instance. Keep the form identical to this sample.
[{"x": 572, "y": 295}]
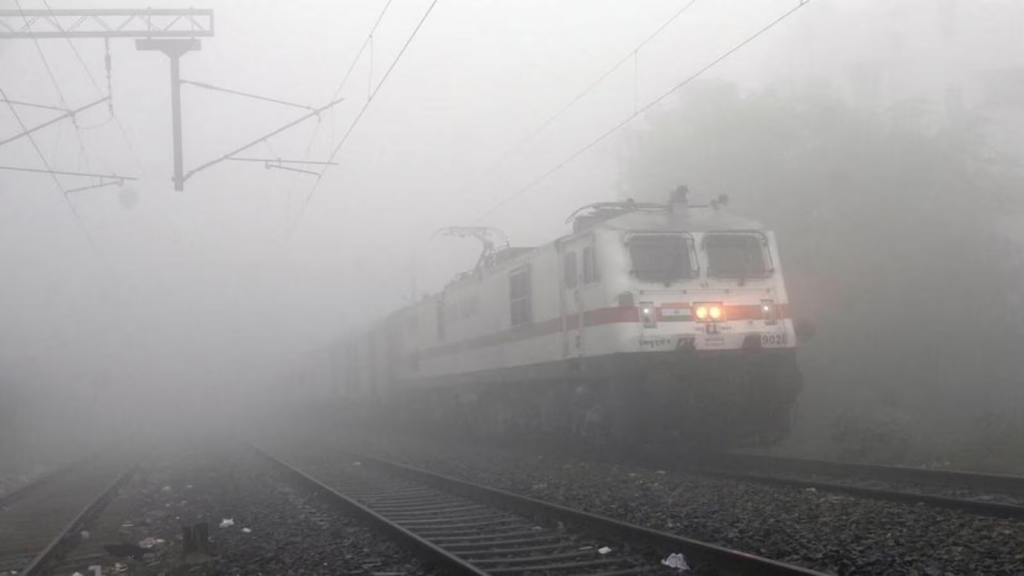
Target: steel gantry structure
[
  {"x": 114, "y": 23},
  {"x": 174, "y": 32}
]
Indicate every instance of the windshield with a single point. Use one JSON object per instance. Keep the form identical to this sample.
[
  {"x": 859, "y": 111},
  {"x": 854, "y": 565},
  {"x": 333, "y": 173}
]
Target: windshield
[
  {"x": 660, "y": 258},
  {"x": 735, "y": 256}
]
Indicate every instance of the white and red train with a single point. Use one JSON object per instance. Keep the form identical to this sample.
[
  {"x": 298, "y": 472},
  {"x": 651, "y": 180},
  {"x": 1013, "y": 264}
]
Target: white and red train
[{"x": 647, "y": 320}]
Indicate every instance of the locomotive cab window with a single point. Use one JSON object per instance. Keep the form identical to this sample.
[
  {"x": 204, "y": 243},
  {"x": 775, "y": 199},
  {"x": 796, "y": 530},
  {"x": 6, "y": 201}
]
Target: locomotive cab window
[
  {"x": 570, "y": 270},
  {"x": 736, "y": 256},
  {"x": 519, "y": 292},
  {"x": 661, "y": 258}
]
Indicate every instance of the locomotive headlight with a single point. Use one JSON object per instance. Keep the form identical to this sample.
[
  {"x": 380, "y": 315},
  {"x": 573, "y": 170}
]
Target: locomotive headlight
[
  {"x": 647, "y": 315},
  {"x": 709, "y": 312}
]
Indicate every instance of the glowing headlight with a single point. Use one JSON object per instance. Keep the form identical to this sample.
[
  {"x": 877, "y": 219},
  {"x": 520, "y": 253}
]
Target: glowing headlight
[
  {"x": 647, "y": 315},
  {"x": 709, "y": 312}
]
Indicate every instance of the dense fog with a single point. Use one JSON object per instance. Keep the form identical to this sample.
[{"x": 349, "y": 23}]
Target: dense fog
[{"x": 881, "y": 141}]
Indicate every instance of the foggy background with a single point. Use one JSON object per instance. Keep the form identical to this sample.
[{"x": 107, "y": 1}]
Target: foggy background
[{"x": 881, "y": 140}]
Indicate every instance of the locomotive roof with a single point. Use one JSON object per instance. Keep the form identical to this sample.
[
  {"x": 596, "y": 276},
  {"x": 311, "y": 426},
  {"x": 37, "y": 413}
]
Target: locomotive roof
[{"x": 694, "y": 219}]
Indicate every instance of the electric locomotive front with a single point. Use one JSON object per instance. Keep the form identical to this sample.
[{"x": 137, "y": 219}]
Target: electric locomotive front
[{"x": 712, "y": 357}]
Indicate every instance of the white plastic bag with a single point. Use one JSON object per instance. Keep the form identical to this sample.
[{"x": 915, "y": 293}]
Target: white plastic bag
[{"x": 676, "y": 561}]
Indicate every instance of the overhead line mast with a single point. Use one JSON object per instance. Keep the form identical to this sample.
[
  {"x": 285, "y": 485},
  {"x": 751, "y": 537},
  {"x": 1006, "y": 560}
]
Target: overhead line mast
[
  {"x": 172, "y": 31},
  {"x": 175, "y": 32}
]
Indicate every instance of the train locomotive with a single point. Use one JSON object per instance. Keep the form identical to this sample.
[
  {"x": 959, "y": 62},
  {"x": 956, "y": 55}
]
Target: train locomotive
[{"x": 649, "y": 321}]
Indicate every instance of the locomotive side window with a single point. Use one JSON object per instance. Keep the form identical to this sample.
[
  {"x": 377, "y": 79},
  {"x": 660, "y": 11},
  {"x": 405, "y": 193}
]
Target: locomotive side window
[
  {"x": 660, "y": 257},
  {"x": 570, "y": 270},
  {"x": 519, "y": 289},
  {"x": 736, "y": 256},
  {"x": 590, "y": 274}
]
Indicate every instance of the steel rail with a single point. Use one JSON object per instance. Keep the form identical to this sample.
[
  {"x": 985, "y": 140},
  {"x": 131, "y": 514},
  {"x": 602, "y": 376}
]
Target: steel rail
[
  {"x": 945, "y": 478},
  {"x": 663, "y": 543},
  {"x": 450, "y": 562},
  {"x": 63, "y": 541},
  {"x": 21, "y": 492},
  {"x": 769, "y": 470}
]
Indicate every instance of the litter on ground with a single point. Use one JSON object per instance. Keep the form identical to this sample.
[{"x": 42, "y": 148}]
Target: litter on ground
[
  {"x": 151, "y": 542},
  {"x": 676, "y": 561}
]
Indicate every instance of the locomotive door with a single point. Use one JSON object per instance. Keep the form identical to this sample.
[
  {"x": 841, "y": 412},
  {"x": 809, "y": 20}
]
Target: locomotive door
[{"x": 575, "y": 270}]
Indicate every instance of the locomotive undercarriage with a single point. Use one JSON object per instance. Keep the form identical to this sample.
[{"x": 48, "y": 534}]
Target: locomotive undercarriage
[{"x": 724, "y": 400}]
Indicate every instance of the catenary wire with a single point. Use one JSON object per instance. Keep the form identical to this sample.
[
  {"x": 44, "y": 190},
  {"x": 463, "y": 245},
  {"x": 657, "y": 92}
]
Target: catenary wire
[
  {"x": 46, "y": 164},
  {"x": 351, "y": 67},
  {"x": 56, "y": 85},
  {"x": 632, "y": 55},
  {"x": 579, "y": 152},
  {"x": 92, "y": 80},
  {"x": 362, "y": 111}
]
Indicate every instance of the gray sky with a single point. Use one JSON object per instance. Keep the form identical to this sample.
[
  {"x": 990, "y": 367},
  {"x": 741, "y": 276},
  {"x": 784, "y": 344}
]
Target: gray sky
[{"x": 209, "y": 285}]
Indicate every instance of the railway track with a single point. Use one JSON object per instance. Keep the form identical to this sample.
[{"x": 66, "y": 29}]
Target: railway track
[
  {"x": 41, "y": 521},
  {"x": 993, "y": 495},
  {"x": 466, "y": 528},
  {"x": 983, "y": 494}
]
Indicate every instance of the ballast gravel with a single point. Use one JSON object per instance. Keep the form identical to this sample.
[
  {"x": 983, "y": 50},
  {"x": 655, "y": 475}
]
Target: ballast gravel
[
  {"x": 828, "y": 532},
  {"x": 258, "y": 522}
]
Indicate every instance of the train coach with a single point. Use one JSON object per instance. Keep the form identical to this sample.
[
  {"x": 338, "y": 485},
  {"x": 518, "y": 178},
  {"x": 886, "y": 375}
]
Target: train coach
[{"x": 647, "y": 321}]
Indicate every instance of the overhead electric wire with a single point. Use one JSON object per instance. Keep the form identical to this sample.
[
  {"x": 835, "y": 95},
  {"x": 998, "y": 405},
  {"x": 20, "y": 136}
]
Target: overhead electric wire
[
  {"x": 92, "y": 79},
  {"x": 351, "y": 67},
  {"x": 96, "y": 85},
  {"x": 46, "y": 63},
  {"x": 380, "y": 84},
  {"x": 34, "y": 105},
  {"x": 642, "y": 110},
  {"x": 366, "y": 42},
  {"x": 51, "y": 121},
  {"x": 246, "y": 94},
  {"x": 56, "y": 23},
  {"x": 341, "y": 85},
  {"x": 53, "y": 79},
  {"x": 49, "y": 170},
  {"x": 362, "y": 111},
  {"x": 631, "y": 55}
]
